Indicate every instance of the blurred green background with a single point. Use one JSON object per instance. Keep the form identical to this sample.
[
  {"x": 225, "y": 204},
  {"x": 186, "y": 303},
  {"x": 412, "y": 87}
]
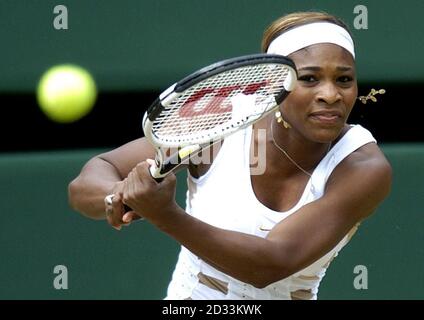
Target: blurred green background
[
  {"x": 140, "y": 45},
  {"x": 135, "y": 49}
]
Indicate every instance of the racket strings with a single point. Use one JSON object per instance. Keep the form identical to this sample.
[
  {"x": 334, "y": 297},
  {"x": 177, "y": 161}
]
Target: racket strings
[{"x": 206, "y": 107}]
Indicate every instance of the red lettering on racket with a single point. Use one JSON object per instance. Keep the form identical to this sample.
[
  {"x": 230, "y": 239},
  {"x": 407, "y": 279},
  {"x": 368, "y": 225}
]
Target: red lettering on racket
[
  {"x": 253, "y": 87},
  {"x": 188, "y": 109},
  {"x": 214, "y": 104}
]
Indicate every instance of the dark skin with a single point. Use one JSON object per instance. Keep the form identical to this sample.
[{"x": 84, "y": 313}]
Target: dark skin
[
  {"x": 327, "y": 89},
  {"x": 317, "y": 111}
]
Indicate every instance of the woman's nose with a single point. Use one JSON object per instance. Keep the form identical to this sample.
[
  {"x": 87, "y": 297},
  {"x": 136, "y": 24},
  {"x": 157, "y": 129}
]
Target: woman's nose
[{"x": 329, "y": 93}]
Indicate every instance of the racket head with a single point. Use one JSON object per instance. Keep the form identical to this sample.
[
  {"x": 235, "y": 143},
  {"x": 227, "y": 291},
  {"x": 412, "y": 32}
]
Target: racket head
[
  {"x": 199, "y": 108},
  {"x": 214, "y": 102}
]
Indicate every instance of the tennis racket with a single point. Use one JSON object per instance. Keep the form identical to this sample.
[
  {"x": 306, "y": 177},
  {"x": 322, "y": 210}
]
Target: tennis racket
[{"x": 212, "y": 103}]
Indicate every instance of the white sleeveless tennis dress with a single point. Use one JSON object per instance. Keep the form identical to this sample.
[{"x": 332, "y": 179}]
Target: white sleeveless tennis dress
[{"x": 224, "y": 197}]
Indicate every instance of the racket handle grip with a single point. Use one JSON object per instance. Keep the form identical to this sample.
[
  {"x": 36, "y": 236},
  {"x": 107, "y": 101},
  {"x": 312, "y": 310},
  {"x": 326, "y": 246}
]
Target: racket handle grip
[
  {"x": 173, "y": 162},
  {"x": 155, "y": 172}
]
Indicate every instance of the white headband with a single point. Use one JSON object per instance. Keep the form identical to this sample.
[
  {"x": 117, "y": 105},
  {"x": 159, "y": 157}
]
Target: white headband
[{"x": 309, "y": 34}]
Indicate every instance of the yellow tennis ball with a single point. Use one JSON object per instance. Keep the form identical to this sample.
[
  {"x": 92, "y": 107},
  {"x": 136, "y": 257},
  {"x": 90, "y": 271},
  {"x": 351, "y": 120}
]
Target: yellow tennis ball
[{"x": 66, "y": 93}]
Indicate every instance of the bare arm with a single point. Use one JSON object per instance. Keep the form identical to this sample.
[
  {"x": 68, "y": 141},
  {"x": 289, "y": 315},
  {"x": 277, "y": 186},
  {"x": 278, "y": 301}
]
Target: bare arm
[
  {"x": 291, "y": 245},
  {"x": 100, "y": 175}
]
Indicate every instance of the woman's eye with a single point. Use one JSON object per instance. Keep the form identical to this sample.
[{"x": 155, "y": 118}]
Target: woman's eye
[
  {"x": 345, "y": 79},
  {"x": 307, "y": 78}
]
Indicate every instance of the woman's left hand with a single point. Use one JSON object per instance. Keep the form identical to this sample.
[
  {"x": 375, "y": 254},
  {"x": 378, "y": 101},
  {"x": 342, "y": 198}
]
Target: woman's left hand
[{"x": 150, "y": 199}]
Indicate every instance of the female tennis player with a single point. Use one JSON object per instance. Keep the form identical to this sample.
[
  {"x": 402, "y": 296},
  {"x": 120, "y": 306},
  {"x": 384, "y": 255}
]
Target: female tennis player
[{"x": 267, "y": 235}]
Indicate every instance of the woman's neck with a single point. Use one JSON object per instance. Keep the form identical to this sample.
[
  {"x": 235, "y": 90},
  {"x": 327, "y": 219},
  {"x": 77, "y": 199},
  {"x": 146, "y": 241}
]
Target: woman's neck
[{"x": 288, "y": 150}]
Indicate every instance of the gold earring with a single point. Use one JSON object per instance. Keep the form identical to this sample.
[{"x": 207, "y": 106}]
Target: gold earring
[
  {"x": 280, "y": 119},
  {"x": 371, "y": 96}
]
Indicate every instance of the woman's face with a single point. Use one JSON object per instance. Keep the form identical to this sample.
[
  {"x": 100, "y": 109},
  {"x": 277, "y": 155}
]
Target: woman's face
[{"x": 325, "y": 92}]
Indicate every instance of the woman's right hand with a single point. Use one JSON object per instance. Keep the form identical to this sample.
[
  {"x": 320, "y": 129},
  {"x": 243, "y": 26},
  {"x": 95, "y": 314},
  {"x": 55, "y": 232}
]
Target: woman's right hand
[{"x": 116, "y": 215}]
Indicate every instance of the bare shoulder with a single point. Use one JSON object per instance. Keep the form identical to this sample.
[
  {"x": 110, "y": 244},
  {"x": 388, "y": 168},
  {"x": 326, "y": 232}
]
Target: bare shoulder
[
  {"x": 369, "y": 159},
  {"x": 362, "y": 180}
]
